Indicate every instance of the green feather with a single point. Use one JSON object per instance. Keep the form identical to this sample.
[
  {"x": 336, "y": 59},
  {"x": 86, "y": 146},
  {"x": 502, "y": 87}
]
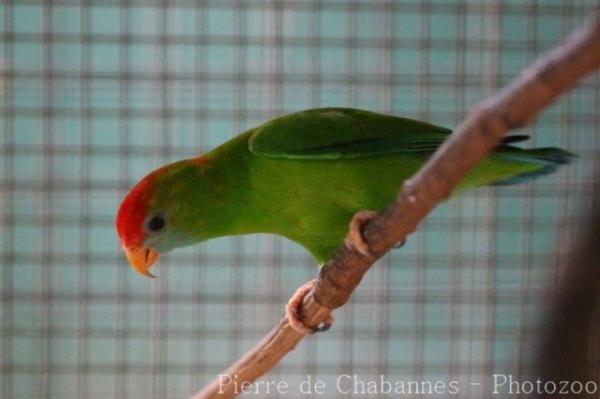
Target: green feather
[{"x": 335, "y": 133}]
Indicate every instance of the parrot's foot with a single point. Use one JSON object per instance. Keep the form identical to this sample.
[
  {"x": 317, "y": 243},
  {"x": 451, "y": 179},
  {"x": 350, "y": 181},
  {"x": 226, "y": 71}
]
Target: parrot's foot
[
  {"x": 292, "y": 312},
  {"x": 355, "y": 239}
]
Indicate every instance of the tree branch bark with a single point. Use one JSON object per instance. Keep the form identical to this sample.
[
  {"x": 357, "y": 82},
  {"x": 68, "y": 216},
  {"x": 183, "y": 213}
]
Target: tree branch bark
[{"x": 513, "y": 107}]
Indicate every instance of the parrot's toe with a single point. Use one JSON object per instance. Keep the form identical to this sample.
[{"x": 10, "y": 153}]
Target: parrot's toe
[
  {"x": 293, "y": 315},
  {"x": 355, "y": 239}
]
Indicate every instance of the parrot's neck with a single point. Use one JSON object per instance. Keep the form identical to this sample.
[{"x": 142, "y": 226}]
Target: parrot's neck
[{"x": 228, "y": 200}]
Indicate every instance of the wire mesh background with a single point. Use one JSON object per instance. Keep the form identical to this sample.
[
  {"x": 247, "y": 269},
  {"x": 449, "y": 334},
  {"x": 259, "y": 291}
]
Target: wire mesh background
[{"x": 96, "y": 94}]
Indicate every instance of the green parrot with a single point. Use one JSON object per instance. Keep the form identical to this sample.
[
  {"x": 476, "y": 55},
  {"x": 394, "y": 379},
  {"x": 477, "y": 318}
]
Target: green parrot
[{"x": 302, "y": 176}]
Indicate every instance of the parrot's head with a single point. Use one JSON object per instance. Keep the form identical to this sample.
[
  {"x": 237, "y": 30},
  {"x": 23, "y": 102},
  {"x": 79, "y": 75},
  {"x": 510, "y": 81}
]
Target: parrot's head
[{"x": 152, "y": 217}]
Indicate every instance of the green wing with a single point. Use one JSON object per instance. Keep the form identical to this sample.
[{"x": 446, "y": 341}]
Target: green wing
[{"x": 334, "y": 133}]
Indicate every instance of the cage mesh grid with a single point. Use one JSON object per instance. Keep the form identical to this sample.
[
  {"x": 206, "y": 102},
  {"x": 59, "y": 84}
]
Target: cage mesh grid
[{"x": 97, "y": 94}]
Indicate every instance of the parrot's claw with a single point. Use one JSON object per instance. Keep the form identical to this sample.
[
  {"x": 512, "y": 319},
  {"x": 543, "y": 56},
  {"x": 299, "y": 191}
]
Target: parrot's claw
[
  {"x": 355, "y": 239},
  {"x": 400, "y": 244},
  {"x": 292, "y": 313}
]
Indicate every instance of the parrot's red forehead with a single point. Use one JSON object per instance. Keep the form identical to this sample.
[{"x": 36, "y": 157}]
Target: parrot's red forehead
[{"x": 133, "y": 211}]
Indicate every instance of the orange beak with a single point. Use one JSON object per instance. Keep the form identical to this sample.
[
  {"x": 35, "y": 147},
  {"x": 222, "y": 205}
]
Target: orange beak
[{"x": 141, "y": 259}]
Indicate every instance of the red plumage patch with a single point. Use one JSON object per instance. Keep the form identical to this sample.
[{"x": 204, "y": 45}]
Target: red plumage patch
[{"x": 133, "y": 211}]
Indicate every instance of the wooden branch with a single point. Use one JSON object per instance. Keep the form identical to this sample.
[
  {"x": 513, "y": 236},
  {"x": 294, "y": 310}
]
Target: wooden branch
[{"x": 512, "y": 108}]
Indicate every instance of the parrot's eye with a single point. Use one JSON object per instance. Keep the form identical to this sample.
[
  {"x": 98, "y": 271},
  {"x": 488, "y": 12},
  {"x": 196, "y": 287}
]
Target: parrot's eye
[{"x": 156, "y": 223}]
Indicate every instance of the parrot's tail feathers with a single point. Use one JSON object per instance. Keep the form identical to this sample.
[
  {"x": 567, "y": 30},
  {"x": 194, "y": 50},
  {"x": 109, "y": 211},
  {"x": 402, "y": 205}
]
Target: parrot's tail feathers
[{"x": 550, "y": 159}]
